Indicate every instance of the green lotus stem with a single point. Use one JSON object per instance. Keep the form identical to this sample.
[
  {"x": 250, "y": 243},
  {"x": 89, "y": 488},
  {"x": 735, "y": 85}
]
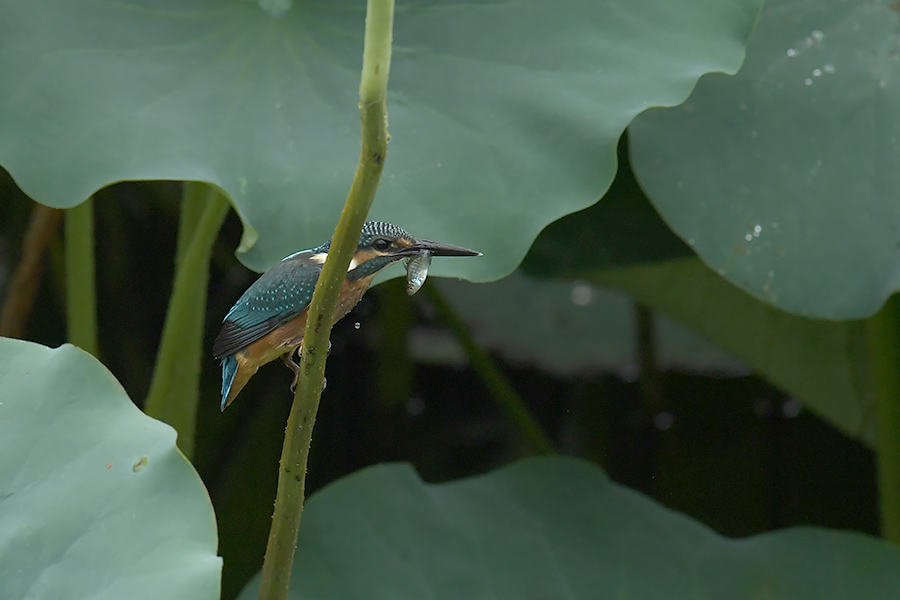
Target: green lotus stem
[
  {"x": 81, "y": 286},
  {"x": 175, "y": 386},
  {"x": 883, "y": 331},
  {"x": 393, "y": 366},
  {"x": 649, "y": 379},
  {"x": 501, "y": 391},
  {"x": 276, "y": 571}
]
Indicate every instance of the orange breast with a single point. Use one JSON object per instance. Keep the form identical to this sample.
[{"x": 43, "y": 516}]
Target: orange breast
[
  {"x": 286, "y": 337},
  {"x": 351, "y": 293}
]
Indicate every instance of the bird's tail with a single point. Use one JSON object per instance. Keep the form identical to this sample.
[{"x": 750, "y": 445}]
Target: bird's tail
[{"x": 229, "y": 370}]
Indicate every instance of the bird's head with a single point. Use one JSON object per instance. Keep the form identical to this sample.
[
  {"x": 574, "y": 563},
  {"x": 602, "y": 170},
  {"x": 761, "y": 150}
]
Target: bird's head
[{"x": 381, "y": 244}]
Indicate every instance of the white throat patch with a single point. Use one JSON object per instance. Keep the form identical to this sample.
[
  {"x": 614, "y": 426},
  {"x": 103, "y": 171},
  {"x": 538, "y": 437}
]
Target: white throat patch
[{"x": 320, "y": 257}]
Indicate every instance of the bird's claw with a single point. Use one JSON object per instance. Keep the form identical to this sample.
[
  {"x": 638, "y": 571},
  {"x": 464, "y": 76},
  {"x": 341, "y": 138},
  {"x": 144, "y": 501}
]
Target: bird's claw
[
  {"x": 289, "y": 362},
  {"x": 295, "y": 368}
]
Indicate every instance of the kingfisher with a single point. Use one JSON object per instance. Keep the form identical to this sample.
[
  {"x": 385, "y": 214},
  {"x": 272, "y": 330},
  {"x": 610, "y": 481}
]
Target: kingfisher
[{"x": 268, "y": 321}]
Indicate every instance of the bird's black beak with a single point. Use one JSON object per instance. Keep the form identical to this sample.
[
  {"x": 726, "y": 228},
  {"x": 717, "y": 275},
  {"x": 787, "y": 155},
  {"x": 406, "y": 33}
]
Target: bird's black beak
[{"x": 438, "y": 249}]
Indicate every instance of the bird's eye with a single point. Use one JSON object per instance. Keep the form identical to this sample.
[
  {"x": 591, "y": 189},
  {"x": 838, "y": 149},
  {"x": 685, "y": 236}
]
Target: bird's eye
[{"x": 381, "y": 244}]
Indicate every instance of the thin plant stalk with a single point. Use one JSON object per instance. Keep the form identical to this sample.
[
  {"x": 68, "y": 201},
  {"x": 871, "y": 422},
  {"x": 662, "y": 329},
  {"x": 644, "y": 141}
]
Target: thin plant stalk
[
  {"x": 175, "y": 386},
  {"x": 883, "y": 331},
  {"x": 393, "y": 366},
  {"x": 81, "y": 285},
  {"x": 649, "y": 380},
  {"x": 276, "y": 571},
  {"x": 43, "y": 227}
]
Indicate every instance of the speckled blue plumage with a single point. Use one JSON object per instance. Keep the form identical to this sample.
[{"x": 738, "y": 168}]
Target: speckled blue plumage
[
  {"x": 372, "y": 230},
  {"x": 279, "y": 295},
  {"x": 285, "y": 290},
  {"x": 267, "y": 321}
]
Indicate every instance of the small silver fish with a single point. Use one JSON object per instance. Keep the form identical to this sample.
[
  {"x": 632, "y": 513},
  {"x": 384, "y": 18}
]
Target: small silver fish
[{"x": 417, "y": 272}]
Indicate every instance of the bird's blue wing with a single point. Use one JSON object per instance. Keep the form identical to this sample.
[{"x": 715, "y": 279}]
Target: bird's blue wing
[{"x": 279, "y": 295}]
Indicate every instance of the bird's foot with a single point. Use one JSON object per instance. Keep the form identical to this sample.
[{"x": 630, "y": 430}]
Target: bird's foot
[
  {"x": 295, "y": 368},
  {"x": 289, "y": 362}
]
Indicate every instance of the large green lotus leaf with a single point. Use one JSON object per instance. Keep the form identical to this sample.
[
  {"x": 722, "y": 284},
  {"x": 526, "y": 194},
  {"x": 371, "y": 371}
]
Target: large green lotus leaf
[
  {"x": 558, "y": 528},
  {"x": 784, "y": 178},
  {"x": 573, "y": 328},
  {"x": 504, "y": 115},
  {"x": 96, "y": 502},
  {"x": 820, "y": 362}
]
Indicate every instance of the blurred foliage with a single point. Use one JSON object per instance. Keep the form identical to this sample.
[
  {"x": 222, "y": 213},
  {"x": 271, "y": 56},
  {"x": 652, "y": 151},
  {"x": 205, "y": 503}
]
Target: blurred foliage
[
  {"x": 690, "y": 428},
  {"x": 724, "y": 447}
]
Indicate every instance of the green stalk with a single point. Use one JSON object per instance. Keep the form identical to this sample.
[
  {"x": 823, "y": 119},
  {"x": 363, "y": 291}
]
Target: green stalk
[
  {"x": 81, "y": 288},
  {"x": 501, "y": 390},
  {"x": 883, "y": 331},
  {"x": 276, "y": 571},
  {"x": 393, "y": 366},
  {"x": 649, "y": 381},
  {"x": 194, "y": 199},
  {"x": 175, "y": 387}
]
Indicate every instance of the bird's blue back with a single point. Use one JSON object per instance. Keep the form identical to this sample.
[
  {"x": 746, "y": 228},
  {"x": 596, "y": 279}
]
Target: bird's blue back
[
  {"x": 279, "y": 295},
  {"x": 285, "y": 290}
]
